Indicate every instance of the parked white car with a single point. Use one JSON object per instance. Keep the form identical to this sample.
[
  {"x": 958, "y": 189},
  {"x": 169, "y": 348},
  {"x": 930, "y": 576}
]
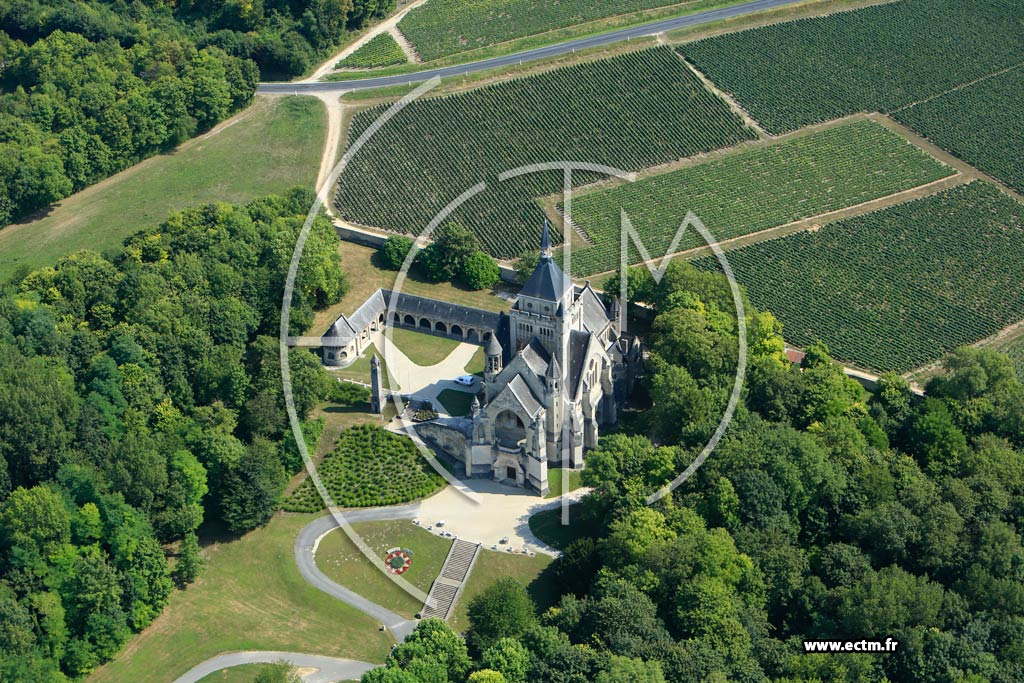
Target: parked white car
[{"x": 465, "y": 380}]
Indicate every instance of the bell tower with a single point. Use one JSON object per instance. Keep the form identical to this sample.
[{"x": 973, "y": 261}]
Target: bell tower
[
  {"x": 492, "y": 364},
  {"x": 542, "y": 304}
]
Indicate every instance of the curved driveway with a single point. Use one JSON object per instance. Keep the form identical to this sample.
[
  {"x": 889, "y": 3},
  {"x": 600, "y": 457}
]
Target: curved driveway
[
  {"x": 328, "y": 668},
  {"x": 535, "y": 54},
  {"x": 305, "y": 557}
]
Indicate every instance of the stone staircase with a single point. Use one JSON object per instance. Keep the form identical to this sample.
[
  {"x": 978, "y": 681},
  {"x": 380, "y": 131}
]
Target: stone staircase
[{"x": 448, "y": 586}]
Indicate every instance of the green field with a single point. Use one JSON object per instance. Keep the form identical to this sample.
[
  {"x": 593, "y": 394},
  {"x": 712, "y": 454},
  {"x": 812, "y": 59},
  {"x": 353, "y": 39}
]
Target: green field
[
  {"x": 368, "y": 467},
  {"x": 422, "y": 349},
  {"x": 492, "y": 565},
  {"x": 273, "y": 145},
  {"x": 445, "y": 27},
  {"x": 381, "y": 50},
  {"x": 631, "y": 111},
  {"x": 983, "y": 124},
  {"x": 342, "y": 561},
  {"x": 942, "y": 271},
  {"x": 555, "y": 481},
  {"x": 752, "y": 191},
  {"x": 250, "y": 596},
  {"x": 874, "y": 59}
]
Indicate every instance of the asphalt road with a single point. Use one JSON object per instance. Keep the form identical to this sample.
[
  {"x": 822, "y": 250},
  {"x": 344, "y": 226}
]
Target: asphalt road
[
  {"x": 652, "y": 28},
  {"x": 328, "y": 668},
  {"x": 304, "y": 551}
]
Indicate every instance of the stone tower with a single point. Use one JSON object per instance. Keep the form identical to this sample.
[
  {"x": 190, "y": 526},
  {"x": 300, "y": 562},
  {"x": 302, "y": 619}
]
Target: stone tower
[
  {"x": 493, "y": 365},
  {"x": 543, "y": 305},
  {"x": 376, "y": 386}
]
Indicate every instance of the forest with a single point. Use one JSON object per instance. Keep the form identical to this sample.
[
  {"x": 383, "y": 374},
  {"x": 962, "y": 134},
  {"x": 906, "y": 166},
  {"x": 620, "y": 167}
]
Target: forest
[
  {"x": 826, "y": 512},
  {"x": 140, "y": 396},
  {"x": 88, "y": 89}
]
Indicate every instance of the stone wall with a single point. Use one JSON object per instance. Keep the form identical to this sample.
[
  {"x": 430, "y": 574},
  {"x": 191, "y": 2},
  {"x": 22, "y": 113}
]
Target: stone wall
[{"x": 448, "y": 435}]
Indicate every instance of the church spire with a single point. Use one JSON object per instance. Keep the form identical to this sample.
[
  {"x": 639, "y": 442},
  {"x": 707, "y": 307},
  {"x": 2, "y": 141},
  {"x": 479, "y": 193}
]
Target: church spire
[{"x": 545, "y": 241}]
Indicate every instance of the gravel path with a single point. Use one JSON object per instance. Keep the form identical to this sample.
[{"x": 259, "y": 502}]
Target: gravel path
[{"x": 327, "y": 668}]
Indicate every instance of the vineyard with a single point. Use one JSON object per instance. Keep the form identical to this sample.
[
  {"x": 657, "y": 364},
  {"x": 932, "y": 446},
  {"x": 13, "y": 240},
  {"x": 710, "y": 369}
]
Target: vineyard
[
  {"x": 983, "y": 124},
  {"x": 381, "y": 50},
  {"x": 369, "y": 467},
  {"x": 943, "y": 271},
  {"x": 752, "y": 191},
  {"x": 446, "y": 27},
  {"x": 631, "y": 112},
  {"x": 874, "y": 59},
  {"x": 1015, "y": 350}
]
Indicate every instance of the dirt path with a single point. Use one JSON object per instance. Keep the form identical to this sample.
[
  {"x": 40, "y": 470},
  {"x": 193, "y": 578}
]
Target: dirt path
[
  {"x": 942, "y": 155},
  {"x": 332, "y": 141},
  {"x": 407, "y": 48},
  {"x": 386, "y": 26},
  {"x": 733, "y": 104}
]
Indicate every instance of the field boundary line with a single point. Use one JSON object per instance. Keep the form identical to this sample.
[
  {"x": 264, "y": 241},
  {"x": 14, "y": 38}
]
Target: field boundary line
[
  {"x": 955, "y": 88},
  {"x": 403, "y": 42},
  {"x": 943, "y": 155},
  {"x": 707, "y": 157},
  {"x": 813, "y": 223},
  {"x": 711, "y": 87}
]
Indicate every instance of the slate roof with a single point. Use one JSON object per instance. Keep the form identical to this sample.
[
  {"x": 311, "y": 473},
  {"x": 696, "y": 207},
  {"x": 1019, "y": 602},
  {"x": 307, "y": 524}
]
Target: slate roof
[
  {"x": 521, "y": 390},
  {"x": 452, "y": 314},
  {"x": 547, "y": 282},
  {"x": 595, "y": 315},
  {"x": 374, "y": 307},
  {"x": 536, "y": 357},
  {"x": 346, "y": 328},
  {"x": 494, "y": 347},
  {"x": 578, "y": 342}
]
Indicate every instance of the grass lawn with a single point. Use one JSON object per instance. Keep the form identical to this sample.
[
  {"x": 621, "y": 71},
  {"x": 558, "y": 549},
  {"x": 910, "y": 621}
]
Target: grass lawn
[
  {"x": 456, "y": 403},
  {"x": 422, "y": 349},
  {"x": 271, "y": 146},
  {"x": 249, "y": 596},
  {"x": 477, "y": 363},
  {"x": 342, "y": 561},
  {"x": 359, "y": 370},
  {"x": 547, "y": 526},
  {"x": 365, "y": 276},
  {"x": 555, "y": 481},
  {"x": 492, "y": 565}
]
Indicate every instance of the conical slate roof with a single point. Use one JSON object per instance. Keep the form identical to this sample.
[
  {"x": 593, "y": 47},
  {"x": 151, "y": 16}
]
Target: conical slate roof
[
  {"x": 554, "y": 372},
  {"x": 547, "y": 281},
  {"x": 493, "y": 346}
]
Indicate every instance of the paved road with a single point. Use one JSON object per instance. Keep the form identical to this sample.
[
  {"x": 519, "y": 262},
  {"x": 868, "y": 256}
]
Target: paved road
[
  {"x": 328, "y": 668},
  {"x": 652, "y": 28},
  {"x": 305, "y": 549}
]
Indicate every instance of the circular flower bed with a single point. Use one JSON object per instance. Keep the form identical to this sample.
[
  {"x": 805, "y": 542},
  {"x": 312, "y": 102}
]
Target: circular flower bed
[{"x": 398, "y": 561}]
